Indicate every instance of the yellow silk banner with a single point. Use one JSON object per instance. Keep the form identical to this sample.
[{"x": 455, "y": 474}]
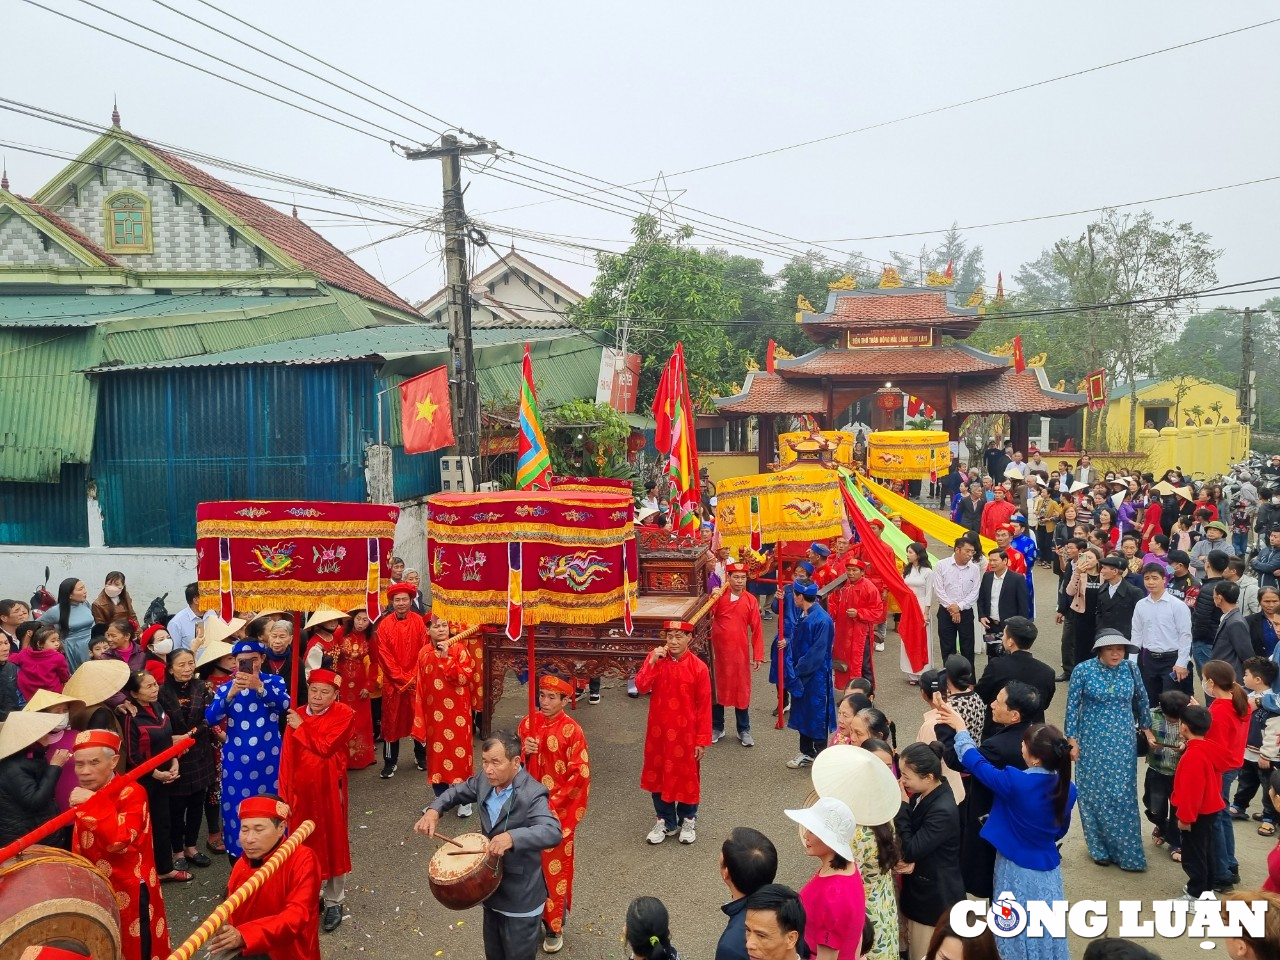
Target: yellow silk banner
[
  {"x": 802, "y": 503},
  {"x": 940, "y": 528}
]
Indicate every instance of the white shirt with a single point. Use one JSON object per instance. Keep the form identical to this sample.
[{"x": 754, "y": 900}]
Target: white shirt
[
  {"x": 997, "y": 584},
  {"x": 182, "y": 627},
  {"x": 953, "y": 583},
  {"x": 1163, "y": 626}
]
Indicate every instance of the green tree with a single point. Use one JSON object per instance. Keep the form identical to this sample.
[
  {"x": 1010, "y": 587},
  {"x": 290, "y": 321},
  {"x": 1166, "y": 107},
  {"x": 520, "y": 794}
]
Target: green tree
[{"x": 967, "y": 268}]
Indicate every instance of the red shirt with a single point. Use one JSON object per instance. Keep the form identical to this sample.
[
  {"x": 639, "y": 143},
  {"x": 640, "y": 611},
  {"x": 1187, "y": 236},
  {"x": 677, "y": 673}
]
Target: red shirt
[
  {"x": 1228, "y": 730},
  {"x": 1197, "y": 783}
]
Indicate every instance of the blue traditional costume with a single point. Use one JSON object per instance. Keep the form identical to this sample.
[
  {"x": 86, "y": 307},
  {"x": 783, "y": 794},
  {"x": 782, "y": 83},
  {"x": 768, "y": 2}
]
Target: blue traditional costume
[
  {"x": 1025, "y": 544},
  {"x": 790, "y": 614},
  {"x": 251, "y": 755},
  {"x": 813, "y": 707}
]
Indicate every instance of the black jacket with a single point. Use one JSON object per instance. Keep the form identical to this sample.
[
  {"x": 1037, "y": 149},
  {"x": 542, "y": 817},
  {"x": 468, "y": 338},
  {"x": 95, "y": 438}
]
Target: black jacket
[
  {"x": 1116, "y": 611},
  {"x": 1256, "y": 637},
  {"x": 185, "y": 705},
  {"x": 929, "y": 832},
  {"x": 8, "y": 690},
  {"x": 978, "y": 857},
  {"x": 1014, "y": 598},
  {"x": 27, "y": 787},
  {"x": 1204, "y": 615},
  {"x": 1021, "y": 666},
  {"x": 1268, "y": 517},
  {"x": 733, "y": 942},
  {"x": 970, "y": 515}
]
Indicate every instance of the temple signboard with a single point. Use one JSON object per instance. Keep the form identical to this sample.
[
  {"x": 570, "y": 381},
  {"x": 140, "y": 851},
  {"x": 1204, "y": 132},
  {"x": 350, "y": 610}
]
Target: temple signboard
[{"x": 863, "y": 339}]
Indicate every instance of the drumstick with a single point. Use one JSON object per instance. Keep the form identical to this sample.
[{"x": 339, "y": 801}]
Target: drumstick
[
  {"x": 462, "y": 853},
  {"x": 441, "y": 836}
]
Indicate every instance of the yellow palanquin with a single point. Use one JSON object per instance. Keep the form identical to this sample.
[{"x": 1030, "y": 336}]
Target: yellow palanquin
[
  {"x": 907, "y": 454},
  {"x": 800, "y": 503}
]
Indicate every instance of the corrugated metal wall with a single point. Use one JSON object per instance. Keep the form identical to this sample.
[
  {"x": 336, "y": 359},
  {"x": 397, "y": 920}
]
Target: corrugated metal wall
[
  {"x": 170, "y": 439},
  {"x": 46, "y": 514}
]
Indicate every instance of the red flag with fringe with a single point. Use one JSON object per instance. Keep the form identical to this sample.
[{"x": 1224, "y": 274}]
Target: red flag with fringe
[
  {"x": 1096, "y": 389},
  {"x": 769, "y": 358},
  {"x": 1019, "y": 360}
]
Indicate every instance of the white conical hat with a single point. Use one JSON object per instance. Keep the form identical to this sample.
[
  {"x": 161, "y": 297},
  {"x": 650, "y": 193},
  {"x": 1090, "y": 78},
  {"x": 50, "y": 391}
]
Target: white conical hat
[
  {"x": 215, "y": 628},
  {"x": 96, "y": 680},
  {"x": 44, "y": 699},
  {"x": 21, "y": 730},
  {"x": 861, "y": 779},
  {"x": 324, "y": 615},
  {"x": 213, "y": 650}
]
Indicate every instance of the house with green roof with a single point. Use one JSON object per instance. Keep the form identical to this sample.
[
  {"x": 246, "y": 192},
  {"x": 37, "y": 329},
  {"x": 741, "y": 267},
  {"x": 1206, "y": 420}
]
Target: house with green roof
[{"x": 167, "y": 339}]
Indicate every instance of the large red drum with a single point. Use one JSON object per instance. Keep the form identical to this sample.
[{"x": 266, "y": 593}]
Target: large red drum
[
  {"x": 51, "y": 897},
  {"x": 464, "y": 876}
]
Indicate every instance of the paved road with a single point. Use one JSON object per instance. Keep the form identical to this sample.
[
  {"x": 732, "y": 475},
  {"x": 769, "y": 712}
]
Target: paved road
[{"x": 391, "y": 912}]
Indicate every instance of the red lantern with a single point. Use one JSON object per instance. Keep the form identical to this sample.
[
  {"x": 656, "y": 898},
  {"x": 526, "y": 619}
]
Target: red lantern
[{"x": 889, "y": 400}]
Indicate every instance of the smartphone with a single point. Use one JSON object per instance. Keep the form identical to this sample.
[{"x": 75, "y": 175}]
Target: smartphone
[{"x": 245, "y": 664}]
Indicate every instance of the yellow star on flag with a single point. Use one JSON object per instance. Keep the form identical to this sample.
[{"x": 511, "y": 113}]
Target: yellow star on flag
[{"x": 427, "y": 409}]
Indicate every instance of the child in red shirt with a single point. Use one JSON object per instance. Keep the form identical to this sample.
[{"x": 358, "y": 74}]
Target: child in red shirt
[
  {"x": 1196, "y": 800},
  {"x": 1272, "y": 883}
]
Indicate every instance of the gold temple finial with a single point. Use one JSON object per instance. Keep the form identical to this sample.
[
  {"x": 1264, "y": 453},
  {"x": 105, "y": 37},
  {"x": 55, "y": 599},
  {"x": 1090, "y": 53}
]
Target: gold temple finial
[
  {"x": 844, "y": 283},
  {"x": 1060, "y": 386},
  {"x": 935, "y": 279},
  {"x": 889, "y": 279},
  {"x": 782, "y": 353},
  {"x": 1038, "y": 360},
  {"x": 802, "y": 303},
  {"x": 751, "y": 364},
  {"x": 977, "y": 298},
  {"x": 1004, "y": 350}
]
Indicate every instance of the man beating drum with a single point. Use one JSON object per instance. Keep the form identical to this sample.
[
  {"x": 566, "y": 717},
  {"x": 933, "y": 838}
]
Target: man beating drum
[{"x": 516, "y": 817}]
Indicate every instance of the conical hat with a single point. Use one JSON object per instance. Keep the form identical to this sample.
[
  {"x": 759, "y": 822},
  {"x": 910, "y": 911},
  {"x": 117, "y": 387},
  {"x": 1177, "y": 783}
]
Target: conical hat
[
  {"x": 96, "y": 680},
  {"x": 859, "y": 778},
  {"x": 324, "y": 615},
  {"x": 21, "y": 730},
  {"x": 44, "y": 699},
  {"x": 211, "y": 651},
  {"x": 266, "y": 613},
  {"x": 1165, "y": 488},
  {"x": 1077, "y": 486},
  {"x": 215, "y": 628}
]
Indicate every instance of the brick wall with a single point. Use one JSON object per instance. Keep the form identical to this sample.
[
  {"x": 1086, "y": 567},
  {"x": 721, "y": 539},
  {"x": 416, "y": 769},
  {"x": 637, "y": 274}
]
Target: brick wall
[
  {"x": 20, "y": 246},
  {"x": 180, "y": 240}
]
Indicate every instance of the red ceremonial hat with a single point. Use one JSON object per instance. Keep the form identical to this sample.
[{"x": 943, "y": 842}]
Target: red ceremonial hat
[
  {"x": 97, "y": 738},
  {"x": 878, "y": 523},
  {"x": 406, "y": 587},
  {"x": 263, "y": 807},
  {"x": 1008, "y": 527},
  {"x": 46, "y": 952},
  {"x": 855, "y": 562},
  {"x": 147, "y": 634},
  {"x": 735, "y": 568},
  {"x": 549, "y": 681},
  {"x": 324, "y": 676},
  {"x": 682, "y": 625}
]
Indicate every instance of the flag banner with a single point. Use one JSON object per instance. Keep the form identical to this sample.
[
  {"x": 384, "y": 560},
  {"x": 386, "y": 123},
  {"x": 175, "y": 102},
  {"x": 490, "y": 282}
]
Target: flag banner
[
  {"x": 515, "y": 590},
  {"x": 675, "y": 439},
  {"x": 801, "y": 503},
  {"x": 939, "y": 528},
  {"x": 576, "y": 559},
  {"x": 933, "y": 465},
  {"x": 894, "y": 538},
  {"x": 426, "y": 421},
  {"x": 1019, "y": 359},
  {"x": 1096, "y": 389},
  {"x": 770, "y": 360},
  {"x": 533, "y": 466},
  {"x": 293, "y": 555},
  {"x": 591, "y": 485}
]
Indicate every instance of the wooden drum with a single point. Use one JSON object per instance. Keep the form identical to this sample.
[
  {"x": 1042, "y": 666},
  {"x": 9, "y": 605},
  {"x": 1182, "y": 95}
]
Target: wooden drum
[
  {"x": 461, "y": 877},
  {"x": 51, "y": 897}
]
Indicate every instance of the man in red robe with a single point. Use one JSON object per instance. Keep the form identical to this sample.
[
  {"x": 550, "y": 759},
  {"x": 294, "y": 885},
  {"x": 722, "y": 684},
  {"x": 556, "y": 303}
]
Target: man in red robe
[
  {"x": 1004, "y": 540},
  {"x": 997, "y": 513},
  {"x": 314, "y": 784},
  {"x": 737, "y": 648},
  {"x": 442, "y": 709},
  {"x": 678, "y": 732},
  {"x": 401, "y": 636},
  {"x": 281, "y": 921},
  {"x": 880, "y": 628},
  {"x": 824, "y": 571},
  {"x": 113, "y": 832},
  {"x": 855, "y": 610},
  {"x": 555, "y": 754}
]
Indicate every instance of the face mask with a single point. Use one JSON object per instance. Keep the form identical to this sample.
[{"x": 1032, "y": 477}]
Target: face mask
[
  {"x": 1276, "y": 500},
  {"x": 163, "y": 647},
  {"x": 64, "y": 721},
  {"x": 112, "y": 591}
]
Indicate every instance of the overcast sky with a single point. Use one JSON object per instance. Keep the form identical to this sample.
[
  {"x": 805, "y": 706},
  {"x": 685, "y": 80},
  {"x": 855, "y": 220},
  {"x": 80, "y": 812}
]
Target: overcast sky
[{"x": 625, "y": 91}]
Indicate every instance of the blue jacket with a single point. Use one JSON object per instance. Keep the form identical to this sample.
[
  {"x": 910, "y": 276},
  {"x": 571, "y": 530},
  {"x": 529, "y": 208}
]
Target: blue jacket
[
  {"x": 813, "y": 708},
  {"x": 733, "y": 942},
  {"x": 1022, "y": 825}
]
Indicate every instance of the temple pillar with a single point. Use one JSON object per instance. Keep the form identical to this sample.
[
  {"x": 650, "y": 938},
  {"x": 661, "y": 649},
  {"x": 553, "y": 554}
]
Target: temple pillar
[
  {"x": 1020, "y": 430},
  {"x": 767, "y": 434}
]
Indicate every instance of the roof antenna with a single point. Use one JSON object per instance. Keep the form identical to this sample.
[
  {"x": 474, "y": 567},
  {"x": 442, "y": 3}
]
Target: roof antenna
[{"x": 115, "y": 112}]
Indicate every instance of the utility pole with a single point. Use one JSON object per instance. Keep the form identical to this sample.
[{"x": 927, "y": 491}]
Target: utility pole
[
  {"x": 1247, "y": 374},
  {"x": 462, "y": 374}
]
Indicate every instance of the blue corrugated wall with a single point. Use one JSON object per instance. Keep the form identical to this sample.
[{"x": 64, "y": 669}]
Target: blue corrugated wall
[
  {"x": 46, "y": 514},
  {"x": 167, "y": 440}
]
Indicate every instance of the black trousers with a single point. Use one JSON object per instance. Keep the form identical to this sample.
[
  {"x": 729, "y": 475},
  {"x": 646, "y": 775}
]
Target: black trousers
[
  {"x": 1157, "y": 675},
  {"x": 811, "y": 747},
  {"x": 158, "y": 802},
  {"x": 1251, "y": 778},
  {"x": 1199, "y": 854},
  {"x": 952, "y": 634},
  {"x": 1068, "y": 646},
  {"x": 510, "y": 938},
  {"x": 1156, "y": 791},
  {"x": 391, "y": 751},
  {"x": 185, "y": 813}
]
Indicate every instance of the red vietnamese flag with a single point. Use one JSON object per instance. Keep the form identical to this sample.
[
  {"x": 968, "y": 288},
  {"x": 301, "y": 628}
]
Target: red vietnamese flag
[
  {"x": 425, "y": 418},
  {"x": 768, "y": 357},
  {"x": 1019, "y": 360}
]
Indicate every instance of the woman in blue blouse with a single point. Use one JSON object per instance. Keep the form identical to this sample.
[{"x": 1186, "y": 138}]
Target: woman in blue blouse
[{"x": 1030, "y": 814}]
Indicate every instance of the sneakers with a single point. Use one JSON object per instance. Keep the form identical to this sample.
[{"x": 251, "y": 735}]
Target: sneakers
[
  {"x": 422, "y": 764},
  {"x": 388, "y": 770},
  {"x": 746, "y": 739},
  {"x": 799, "y": 761},
  {"x": 591, "y": 698},
  {"x": 464, "y": 810},
  {"x": 717, "y": 736},
  {"x": 632, "y": 692},
  {"x": 879, "y": 646},
  {"x": 659, "y": 832},
  {"x": 552, "y": 943},
  {"x": 688, "y": 831}
]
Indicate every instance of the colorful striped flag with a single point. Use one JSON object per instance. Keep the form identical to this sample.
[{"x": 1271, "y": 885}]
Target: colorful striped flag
[
  {"x": 533, "y": 467},
  {"x": 675, "y": 439}
]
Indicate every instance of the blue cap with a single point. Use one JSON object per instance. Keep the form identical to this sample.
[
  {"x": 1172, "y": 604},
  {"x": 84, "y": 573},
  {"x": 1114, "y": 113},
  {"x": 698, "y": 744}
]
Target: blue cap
[
  {"x": 809, "y": 589},
  {"x": 1018, "y": 518},
  {"x": 821, "y": 549},
  {"x": 249, "y": 646},
  {"x": 806, "y": 566}
]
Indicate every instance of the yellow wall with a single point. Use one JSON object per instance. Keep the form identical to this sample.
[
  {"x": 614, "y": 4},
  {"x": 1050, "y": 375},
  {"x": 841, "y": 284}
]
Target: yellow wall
[
  {"x": 722, "y": 466},
  {"x": 1200, "y": 451}
]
